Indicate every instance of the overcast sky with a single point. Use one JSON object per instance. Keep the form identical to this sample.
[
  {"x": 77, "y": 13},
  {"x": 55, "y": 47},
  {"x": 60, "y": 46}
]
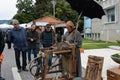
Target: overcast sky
[{"x": 7, "y": 9}]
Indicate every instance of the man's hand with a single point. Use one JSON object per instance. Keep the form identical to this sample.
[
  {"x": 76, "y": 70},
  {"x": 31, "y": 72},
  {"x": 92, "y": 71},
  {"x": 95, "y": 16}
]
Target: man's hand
[
  {"x": 69, "y": 44},
  {"x": 31, "y": 40}
]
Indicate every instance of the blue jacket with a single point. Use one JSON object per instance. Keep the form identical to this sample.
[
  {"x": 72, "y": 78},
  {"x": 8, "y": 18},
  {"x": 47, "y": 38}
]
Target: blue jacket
[{"x": 18, "y": 37}]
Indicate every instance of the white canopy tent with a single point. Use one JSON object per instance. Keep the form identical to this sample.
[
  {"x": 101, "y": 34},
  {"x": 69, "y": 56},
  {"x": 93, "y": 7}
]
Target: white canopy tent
[
  {"x": 41, "y": 23},
  {"x": 6, "y": 26}
]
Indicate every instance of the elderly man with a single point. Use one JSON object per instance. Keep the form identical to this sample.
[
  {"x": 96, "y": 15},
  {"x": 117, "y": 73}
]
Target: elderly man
[
  {"x": 18, "y": 36},
  {"x": 72, "y": 36}
]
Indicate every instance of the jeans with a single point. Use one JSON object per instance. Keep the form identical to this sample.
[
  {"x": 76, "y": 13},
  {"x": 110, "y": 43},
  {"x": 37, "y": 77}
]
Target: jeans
[
  {"x": 34, "y": 51},
  {"x": 49, "y": 62}
]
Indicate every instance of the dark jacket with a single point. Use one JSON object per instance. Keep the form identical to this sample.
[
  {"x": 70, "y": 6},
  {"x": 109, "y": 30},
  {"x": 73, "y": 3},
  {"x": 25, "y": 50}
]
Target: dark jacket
[
  {"x": 47, "y": 38},
  {"x": 18, "y": 37},
  {"x": 32, "y": 35},
  {"x": 2, "y": 43}
]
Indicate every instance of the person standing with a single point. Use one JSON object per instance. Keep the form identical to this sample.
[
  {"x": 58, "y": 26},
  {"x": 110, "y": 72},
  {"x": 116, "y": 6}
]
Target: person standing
[
  {"x": 32, "y": 37},
  {"x": 2, "y": 45},
  {"x": 72, "y": 36},
  {"x": 2, "y": 42},
  {"x": 48, "y": 39},
  {"x": 18, "y": 36},
  {"x": 8, "y": 43}
]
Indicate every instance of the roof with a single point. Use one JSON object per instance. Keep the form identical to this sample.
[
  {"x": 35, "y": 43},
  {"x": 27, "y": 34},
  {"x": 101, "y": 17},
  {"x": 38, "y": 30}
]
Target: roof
[{"x": 49, "y": 19}]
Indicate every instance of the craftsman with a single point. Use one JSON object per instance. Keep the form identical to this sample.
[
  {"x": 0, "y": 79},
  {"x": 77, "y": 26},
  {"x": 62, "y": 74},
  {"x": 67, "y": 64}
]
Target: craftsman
[{"x": 72, "y": 36}]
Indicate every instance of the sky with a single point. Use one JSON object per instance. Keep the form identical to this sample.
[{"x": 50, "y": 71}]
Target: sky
[{"x": 7, "y": 9}]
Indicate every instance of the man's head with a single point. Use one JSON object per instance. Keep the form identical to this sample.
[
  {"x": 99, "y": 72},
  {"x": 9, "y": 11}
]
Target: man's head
[
  {"x": 48, "y": 27},
  {"x": 69, "y": 26},
  {"x": 15, "y": 23},
  {"x": 33, "y": 27}
]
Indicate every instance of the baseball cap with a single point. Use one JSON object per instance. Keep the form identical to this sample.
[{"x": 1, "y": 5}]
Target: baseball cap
[{"x": 48, "y": 25}]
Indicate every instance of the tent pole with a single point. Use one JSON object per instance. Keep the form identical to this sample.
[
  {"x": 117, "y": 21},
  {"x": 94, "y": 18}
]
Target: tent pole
[{"x": 78, "y": 20}]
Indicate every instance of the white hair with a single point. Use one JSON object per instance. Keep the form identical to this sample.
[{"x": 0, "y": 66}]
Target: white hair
[{"x": 15, "y": 21}]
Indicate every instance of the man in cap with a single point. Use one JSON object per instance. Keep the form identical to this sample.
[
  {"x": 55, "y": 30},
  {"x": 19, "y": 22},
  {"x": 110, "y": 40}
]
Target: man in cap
[{"x": 48, "y": 39}]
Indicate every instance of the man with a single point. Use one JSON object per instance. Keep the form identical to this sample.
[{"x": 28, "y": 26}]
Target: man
[
  {"x": 33, "y": 47},
  {"x": 18, "y": 36},
  {"x": 72, "y": 36},
  {"x": 2, "y": 45},
  {"x": 48, "y": 39}
]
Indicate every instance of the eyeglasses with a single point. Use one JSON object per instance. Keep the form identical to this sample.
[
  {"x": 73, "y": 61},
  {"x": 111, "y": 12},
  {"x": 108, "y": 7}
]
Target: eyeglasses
[{"x": 15, "y": 24}]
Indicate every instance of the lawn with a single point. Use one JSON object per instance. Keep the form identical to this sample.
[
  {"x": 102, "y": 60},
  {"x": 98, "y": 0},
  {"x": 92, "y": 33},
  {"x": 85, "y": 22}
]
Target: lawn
[{"x": 93, "y": 44}]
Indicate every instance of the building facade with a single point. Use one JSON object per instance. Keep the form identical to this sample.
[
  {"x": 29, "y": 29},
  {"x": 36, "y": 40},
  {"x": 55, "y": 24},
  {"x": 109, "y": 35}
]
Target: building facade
[{"x": 107, "y": 28}]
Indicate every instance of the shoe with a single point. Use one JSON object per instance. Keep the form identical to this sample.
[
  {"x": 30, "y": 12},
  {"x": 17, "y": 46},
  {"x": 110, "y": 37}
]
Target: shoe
[
  {"x": 19, "y": 70},
  {"x": 25, "y": 69}
]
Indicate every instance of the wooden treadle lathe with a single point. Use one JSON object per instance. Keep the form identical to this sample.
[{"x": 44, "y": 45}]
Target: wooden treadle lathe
[{"x": 67, "y": 63}]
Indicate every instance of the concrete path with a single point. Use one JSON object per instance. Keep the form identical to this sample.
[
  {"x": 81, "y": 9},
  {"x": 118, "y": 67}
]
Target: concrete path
[{"x": 106, "y": 53}]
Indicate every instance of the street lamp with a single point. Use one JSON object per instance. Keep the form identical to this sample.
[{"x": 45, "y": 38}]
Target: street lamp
[{"x": 54, "y": 3}]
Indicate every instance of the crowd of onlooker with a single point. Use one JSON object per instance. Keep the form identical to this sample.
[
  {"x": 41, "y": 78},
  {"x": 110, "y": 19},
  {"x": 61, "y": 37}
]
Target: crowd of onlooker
[{"x": 28, "y": 41}]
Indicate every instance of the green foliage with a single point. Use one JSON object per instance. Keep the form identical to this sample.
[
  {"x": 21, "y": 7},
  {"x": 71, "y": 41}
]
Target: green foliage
[
  {"x": 25, "y": 11},
  {"x": 116, "y": 55},
  {"x": 43, "y": 8},
  {"x": 93, "y": 44},
  {"x": 23, "y": 18},
  {"x": 65, "y": 13},
  {"x": 24, "y": 6}
]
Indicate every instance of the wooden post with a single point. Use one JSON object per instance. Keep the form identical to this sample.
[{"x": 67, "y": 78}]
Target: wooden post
[{"x": 46, "y": 64}]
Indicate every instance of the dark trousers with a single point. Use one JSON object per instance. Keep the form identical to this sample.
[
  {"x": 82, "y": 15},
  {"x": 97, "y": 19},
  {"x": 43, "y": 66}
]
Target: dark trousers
[
  {"x": 9, "y": 45},
  {"x": 17, "y": 58},
  {"x": 78, "y": 63}
]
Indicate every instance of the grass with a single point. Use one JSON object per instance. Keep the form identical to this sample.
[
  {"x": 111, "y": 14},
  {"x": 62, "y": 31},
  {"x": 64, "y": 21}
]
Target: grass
[{"x": 93, "y": 44}]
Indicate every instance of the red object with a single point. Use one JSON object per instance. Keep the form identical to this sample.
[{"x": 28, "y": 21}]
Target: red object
[{"x": 1, "y": 58}]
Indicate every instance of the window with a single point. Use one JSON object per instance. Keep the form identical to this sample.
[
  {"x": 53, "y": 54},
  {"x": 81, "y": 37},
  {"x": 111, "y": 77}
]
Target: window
[
  {"x": 111, "y": 15},
  {"x": 99, "y": 0}
]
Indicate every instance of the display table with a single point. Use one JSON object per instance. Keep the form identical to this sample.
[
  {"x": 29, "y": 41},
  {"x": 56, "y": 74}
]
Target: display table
[{"x": 113, "y": 74}]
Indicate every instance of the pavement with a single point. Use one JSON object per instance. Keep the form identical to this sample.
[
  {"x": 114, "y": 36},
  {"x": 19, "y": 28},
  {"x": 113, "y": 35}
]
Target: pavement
[
  {"x": 9, "y": 70},
  {"x": 106, "y": 53}
]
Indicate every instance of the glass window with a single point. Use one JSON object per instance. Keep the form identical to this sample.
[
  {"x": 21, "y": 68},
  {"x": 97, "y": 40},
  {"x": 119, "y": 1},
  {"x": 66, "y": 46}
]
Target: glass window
[{"x": 111, "y": 14}]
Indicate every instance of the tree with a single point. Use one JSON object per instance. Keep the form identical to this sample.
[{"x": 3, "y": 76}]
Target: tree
[
  {"x": 23, "y": 18},
  {"x": 25, "y": 11},
  {"x": 43, "y": 8},
  {"x": 65, "y": 12}
]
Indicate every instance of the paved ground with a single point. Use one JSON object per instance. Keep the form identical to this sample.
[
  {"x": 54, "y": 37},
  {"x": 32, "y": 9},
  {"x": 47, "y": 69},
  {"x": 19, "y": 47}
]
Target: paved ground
[
  {"x": 9, "y": 70},
  {"x": 106, "y": 53}
]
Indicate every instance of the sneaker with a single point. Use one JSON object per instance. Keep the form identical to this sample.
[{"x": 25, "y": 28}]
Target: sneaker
[{"x": 25, "y": 69}]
